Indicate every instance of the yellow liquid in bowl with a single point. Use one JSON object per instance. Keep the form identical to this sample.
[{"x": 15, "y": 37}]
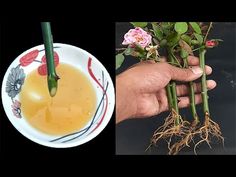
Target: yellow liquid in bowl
[{"x": 68, "y": 111}]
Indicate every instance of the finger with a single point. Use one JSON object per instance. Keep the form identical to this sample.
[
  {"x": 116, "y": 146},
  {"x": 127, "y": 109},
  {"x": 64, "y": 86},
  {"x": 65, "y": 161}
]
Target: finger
[
  {"x": 185, "y": 75},
  {"x": 184, "y": 89},
  {"x": 163, "y": 59},
  {"x": 185, "y": 101},
  {"x": 208, "y": 69},
  {"x": 192, "y": 60}
]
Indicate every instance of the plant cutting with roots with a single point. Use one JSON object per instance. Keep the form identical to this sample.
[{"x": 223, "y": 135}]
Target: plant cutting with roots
[{"x": 179, "y": 40}]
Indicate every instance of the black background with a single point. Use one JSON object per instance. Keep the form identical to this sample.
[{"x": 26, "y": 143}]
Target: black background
[
  {"x": 133, "y": 136},
  {"x": 96, "y": 35},
  {"x": 18, "y": 36},
  {"x": 17, "y": 151}
]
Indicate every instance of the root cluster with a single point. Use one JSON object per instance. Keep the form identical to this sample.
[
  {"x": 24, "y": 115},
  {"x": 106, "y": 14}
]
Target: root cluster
[
  {"x": 209, "y": 130},
  {"x": 183, "y": 134}
]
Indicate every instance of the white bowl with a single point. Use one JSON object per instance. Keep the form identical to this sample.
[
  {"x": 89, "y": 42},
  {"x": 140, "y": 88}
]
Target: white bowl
[{"x": 85, "y": 62}]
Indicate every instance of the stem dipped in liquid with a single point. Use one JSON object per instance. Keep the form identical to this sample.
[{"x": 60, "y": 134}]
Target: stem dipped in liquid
[{"x": 48, "y": 43}]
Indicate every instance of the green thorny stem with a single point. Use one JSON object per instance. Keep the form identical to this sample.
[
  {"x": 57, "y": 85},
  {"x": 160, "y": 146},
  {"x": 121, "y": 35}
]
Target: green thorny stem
[
  {"x": 169, "y": 96},
  {"x": 192, "y": 96},
  {"x": 172, "y": 86},
  {"x": 48, "y": 43},
  {"x": 202, "y": 53}
]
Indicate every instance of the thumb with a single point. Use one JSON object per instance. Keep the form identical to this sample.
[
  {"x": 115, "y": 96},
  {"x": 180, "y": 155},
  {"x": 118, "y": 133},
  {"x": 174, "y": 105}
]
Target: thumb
[{"x": 190, "y": 74}]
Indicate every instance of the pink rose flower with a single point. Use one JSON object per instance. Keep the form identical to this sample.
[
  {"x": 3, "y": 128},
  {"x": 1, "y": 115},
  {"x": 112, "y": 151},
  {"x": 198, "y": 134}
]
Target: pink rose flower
[{"x": 138, "y": 36}]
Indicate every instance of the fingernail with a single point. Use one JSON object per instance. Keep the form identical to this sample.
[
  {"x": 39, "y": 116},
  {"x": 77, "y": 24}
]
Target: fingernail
[{"x": 196, "y": 70}]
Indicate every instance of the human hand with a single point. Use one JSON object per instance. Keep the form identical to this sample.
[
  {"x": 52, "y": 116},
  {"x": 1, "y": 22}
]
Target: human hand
[{"x": 140, "y": 90}]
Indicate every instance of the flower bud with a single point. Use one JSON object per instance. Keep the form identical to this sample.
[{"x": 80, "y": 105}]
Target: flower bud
[{"x": 211, "y": 43}]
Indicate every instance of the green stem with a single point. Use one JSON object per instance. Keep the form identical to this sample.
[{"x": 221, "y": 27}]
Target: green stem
[
  {"x": 174, "y": 95},
  {"x": 192, "y": 96},
  {"x": 192, "y": 102},
  {"x": 173, "y": 58},
  {"x": 174, "y": 64},
  {"x": 169, "y": 96},
  {"x": 173, "y": 84},
  {"x": 173, "y": 89},
  {"x": 48, "y": 43},
  {"x": 203, "y": 82},
  {"x": 208, "y": 30},
  {"x": 198, "y": 48}
]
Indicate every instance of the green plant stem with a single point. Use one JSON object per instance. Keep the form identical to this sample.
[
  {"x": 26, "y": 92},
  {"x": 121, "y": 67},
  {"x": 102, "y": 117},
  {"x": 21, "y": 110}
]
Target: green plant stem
[
  {"x": 198, "y": 48},
  {"x": 173, "y": 88},
  {"x": 203, "y": 82},
  {"x": 174, "y": 95},
  {"x": 192, "y": 102},
  {"x": 169, "y": 96},
  {"x": 48, "y": 43},
  {"x": 191, "y": 96},
  {"x": 173, "y": 85},
  {"x": 208, "y": 30},
  {"x": 174, "y": 60}
]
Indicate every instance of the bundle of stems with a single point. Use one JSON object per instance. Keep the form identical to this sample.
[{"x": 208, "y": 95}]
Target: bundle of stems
[{"x": 186, "y": 37}]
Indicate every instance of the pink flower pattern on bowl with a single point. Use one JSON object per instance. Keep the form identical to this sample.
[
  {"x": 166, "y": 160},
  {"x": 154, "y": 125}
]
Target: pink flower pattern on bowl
[{"x": 16, "y": 108}]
